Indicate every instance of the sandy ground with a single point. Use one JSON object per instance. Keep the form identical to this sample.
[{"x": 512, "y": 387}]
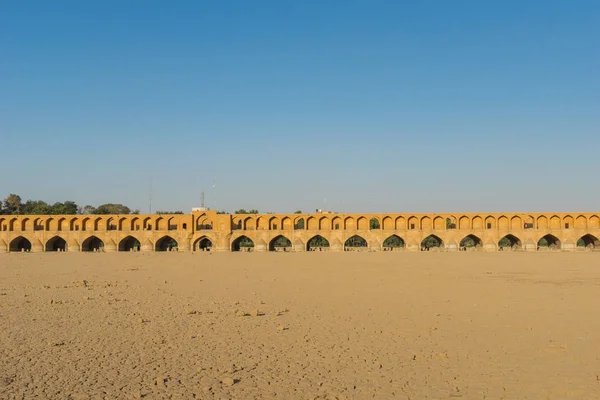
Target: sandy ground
[{"x": 300, "y": 326}]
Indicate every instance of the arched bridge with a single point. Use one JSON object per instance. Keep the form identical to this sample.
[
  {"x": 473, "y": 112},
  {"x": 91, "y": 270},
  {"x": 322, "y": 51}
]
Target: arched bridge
[{"x": 203, "y": 230}]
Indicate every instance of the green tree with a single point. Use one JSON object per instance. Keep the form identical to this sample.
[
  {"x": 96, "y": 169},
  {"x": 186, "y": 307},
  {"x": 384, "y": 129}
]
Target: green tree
[
  {"x": 87, "y": 210},
  {"x": 298, "y": 212},
  {"x": 66, "y": 208},
  {"x": 36, "y": 207},
  {"x": 12, "y": 204},
  {"x": 111, "y": 208},
  {"x": 243, "y": 211},
  {"x": 393, "y": 241},
  {"x": 374, "y": 223}
]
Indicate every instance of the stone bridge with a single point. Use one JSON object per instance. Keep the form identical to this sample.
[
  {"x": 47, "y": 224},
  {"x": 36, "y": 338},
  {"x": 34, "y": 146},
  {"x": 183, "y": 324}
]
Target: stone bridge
[{"x": 321, "y": 231}]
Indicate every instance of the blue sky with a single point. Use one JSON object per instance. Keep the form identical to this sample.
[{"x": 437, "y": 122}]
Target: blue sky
[{"x": 378, "y": 106}]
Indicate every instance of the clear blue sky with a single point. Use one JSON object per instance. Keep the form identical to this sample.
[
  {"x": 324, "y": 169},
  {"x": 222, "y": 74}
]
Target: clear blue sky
[{"x": 420, "y": 106}]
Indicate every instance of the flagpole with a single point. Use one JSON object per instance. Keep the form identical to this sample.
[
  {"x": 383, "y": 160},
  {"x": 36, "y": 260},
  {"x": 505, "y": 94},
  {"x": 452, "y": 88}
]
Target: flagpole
[{"x": 214, "y": 193}]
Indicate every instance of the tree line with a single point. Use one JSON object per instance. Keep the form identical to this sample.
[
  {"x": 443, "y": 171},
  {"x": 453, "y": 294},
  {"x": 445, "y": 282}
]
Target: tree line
[{"x": 14, "y": 205}]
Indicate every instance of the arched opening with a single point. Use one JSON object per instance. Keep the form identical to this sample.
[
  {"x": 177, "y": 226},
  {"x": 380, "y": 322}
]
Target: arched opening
[
  {"x": 450, "y": 223},
  {"x": 355, "y": 243},
  {"x": 166, "y": 243},
  {"x": 299, "y": 224},
  {"x": 20, "y": 244},
  {"x": 92, "y": 243},
  {"x": 374, "y": 224},
  {"x": 470, "y": 242},
  {"x": 243, "y": 243},
  {"x": 129, "y": 244},
  {"x": 548, "y": 242},
  {"x": 589, "y": 242},
  {"x": 393, "y": 242},
  {"x": 203, "y": 244},
  {"x": 56, "y": 244},
  {"x": 280, "y": 243},
  {"x": 431, "y": 242},
  {"x": 509, "y": 242},
  {"x": 317, "y": 243}
]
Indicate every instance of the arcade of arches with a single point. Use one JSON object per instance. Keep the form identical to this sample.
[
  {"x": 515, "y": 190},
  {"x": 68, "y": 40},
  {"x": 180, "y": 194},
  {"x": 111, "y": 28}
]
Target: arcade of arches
[{"x": 209, "y": 231}]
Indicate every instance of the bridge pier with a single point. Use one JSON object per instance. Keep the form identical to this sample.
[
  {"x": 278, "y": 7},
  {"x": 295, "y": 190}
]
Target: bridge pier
[
  {"x": 184, "y": 246},
  {"x": 490, "y": 247},
  {"x": 110, "y": 247},
  {"x": 37, "y": 247},
  {"x": 568, "y": 246},
  {"x": 451, "y": 247},
  {"x": 298, "y": 247},
  {"x": 147, "y": 247},
  {"x": 413, "y": 247}
]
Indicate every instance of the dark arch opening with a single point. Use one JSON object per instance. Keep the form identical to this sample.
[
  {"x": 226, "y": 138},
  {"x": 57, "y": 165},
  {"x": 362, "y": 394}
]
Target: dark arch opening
[
  {"x": 92, "y": 244},
  {"x": 129, "y": 244},
  {"x": 589, "y": 242},
  {"x": 20, "y": 244},
  {"x": 509, "y": 242},
  {"x": 203, "y": 244},
  {"x": 393, "y": 242},
  {"x": 280, "y": 243},
  {"x": 243, "y": 243},
  {"x": 374, "y": 223},
  {"x": 355, "y": 242},
  {"x": 450, "y": 223},
  {"x": 299, "y": 224},
  {"x": 56, "y": 244},
  {"x": 470, "y": 242},
  {"x": 317, "y": 243},
  {"x": 549, "y": 241},
  {"x": 166, "y": 243},
  {"x": 430, "y": 242}
]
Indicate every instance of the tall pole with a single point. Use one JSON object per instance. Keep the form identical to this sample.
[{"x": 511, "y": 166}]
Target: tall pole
[
  {"x": 215, "y": 193},
  {"x": 150, "y": 195}
]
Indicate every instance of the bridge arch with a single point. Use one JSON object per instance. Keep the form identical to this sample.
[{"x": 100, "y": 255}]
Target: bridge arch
[
  {"x": 477, "y": 223},
  {"x": 129, "y": 243},
  {"x": 431, "y": 241},
  {"x": 549, "y": 241},
  {"x": 589, "y": 242},
  {"x": 374, "y": 224},
  {"x": 470, "y": 241},
  {"x": 400, "y": 223},
  {"x": 426, "y": 224},
  {"x": 280, "y": 243},
  {"x": 362, "y": 224},
  {"x": 242, "y": 243},
  {"x": 510, "y": 242},
  {"x": 93, "y": 243},
  {"x": 394, "y": 242},
  {"x": 388, "y": 224},
  {"x": 336, "y": 223},
  {"x": 324, "y": 224},
  {"x": 356, "y": 242},
  {"x": 20, "y": 243},
  {"x": 56, "y": 243},
  {"x": 555, "y": 222},
  {"x": 490, "y": 222},
  {"x": 317, "y": 243},
  {"x": 166, "y": 243},
  {"x": 203, "y": 243}
]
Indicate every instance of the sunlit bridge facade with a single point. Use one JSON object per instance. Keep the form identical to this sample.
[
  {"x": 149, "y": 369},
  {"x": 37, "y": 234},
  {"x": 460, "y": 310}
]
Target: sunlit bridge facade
[{"x": 318, "y": 232}]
